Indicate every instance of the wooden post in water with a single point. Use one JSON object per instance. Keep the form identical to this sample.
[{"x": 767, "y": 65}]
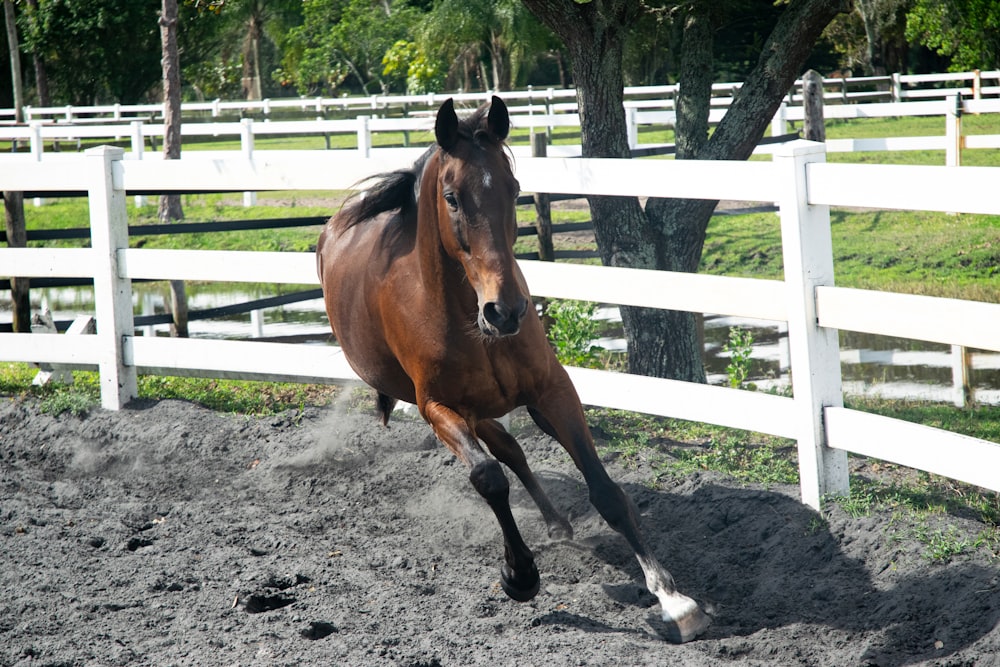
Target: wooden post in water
[
  {"x": 179, "y": 309},
  {"x": 812, "y": 101},
  {"x": 17, "y": 237},
  {"x": 543, "y": 208},
  {"x": 543, "y": 220},
  {"x": 961, "y": 375}
]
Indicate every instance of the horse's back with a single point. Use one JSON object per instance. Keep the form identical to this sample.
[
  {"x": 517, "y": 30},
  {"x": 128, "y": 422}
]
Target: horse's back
[{"x": 356, "y": 262}]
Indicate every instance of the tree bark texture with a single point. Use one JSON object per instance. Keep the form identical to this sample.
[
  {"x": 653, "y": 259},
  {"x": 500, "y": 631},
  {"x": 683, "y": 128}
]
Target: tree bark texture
[{"x": 670, "y": 234}]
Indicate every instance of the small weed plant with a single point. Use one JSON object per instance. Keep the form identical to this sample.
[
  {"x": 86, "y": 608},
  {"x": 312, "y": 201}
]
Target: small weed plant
[
  {"x": 66, "y": 398},
  {"x": 573, "y": 331},
  {"x": 738, "y": 347},
  {"x": 943, "y": 545}
]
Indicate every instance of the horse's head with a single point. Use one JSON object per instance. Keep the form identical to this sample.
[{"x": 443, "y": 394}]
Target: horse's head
[{"x": 475, "y": 199}]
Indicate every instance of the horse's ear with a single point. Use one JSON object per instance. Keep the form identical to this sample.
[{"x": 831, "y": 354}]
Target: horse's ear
[
  {"x": 446, "y": 125},
  {"x": 498, "y": 120}
]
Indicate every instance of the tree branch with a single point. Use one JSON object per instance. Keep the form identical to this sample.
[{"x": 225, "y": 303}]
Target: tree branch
[{"x": 783, "y": 55}]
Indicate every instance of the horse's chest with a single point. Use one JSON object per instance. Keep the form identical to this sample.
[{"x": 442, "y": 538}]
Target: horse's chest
[{"x": 492, "y": 380}]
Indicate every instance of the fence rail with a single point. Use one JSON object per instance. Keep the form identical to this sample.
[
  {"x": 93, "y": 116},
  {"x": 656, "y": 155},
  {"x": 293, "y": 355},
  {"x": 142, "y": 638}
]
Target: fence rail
[
  {"x": 891, "y": 88},
  {"x": 364, "y": 129},
  {"x": 807, "y": 299}
]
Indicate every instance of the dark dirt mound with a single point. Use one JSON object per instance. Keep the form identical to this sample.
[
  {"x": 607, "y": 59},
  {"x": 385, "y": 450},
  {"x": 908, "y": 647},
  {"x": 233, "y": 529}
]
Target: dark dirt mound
[{"x": 170, "y": 534}]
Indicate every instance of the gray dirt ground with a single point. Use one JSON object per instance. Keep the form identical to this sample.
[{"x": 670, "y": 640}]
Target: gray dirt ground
[{"x": 168, "y": 534}]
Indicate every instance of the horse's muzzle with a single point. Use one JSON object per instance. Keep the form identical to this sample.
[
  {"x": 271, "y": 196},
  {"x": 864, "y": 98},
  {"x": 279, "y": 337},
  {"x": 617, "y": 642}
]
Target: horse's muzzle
[{"x": 500, "y": 319}]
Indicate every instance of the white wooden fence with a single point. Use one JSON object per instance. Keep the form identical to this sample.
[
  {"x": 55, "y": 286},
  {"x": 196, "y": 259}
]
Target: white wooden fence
[
  {"x": 807, "y": 299},
  {"x": 847, "y": 89},
  {"x": 364, "y": 128}
]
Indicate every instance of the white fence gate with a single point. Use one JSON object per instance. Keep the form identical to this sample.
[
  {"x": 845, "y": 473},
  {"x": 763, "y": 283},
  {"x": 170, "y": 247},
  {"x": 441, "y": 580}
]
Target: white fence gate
[{"x": 815, "y": 309}]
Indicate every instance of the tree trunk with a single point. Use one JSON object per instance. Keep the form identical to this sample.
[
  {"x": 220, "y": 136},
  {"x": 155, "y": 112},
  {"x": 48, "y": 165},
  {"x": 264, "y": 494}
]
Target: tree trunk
[
  {"x": 41, "y": 76},
  {"x": 15, "y": 60},
  {"x": 251, "y": 60},
  {"x": 13, "y": 202},
  {"x": 681, "y": 236},
  {"x": 869, "y": 11},
  {"x": 170, "y": 204},
  {"x": 670, "y": 234}
]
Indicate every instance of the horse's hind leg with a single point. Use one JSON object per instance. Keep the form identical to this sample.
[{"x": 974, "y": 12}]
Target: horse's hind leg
[
  {"x": 560, "y": 415},
  {"x": 503, "y": 446},
  {"x": 519, "y": 575}
]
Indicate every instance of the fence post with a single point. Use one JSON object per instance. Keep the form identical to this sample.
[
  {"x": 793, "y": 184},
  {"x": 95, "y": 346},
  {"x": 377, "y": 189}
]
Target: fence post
[
  {"x": 364, "y": 137},
  {"x": 138, "y": 148},
  {"x": 543, "y": 209},
  {"x": 37, "y": 147},
  {"x": 812, "y": 103},
  {"x": 953, "y": 131},
  {"x": 897, "y": 87},
  {"x": 112, "y": 289},
  {"x": 631, "y": 127},
  {"x": 814, "y": 351},
  {"x": 961, "y": 376},
  {"x": 17, "y": 237},
  {"x": 246, "y": 143}
]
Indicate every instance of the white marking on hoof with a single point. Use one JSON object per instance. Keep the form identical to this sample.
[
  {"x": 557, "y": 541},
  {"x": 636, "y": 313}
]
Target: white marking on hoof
[
  {"x": 684, "y": 618},
  {"x": 676, "y": 607}
]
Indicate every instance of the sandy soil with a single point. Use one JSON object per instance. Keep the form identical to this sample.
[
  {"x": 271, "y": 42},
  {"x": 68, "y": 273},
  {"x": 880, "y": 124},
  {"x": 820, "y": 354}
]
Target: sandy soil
[{"x": 168, "y": 534}]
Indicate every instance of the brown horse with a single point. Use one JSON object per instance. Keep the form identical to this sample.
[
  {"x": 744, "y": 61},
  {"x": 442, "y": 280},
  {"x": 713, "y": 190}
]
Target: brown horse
[{"x": 430, "y": 307}]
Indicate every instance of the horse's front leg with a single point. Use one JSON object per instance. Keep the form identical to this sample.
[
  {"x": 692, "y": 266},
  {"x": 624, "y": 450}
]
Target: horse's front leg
[
  {"x": 505, "y": 447},
  {"x": 519, "y": 575},
  {"x": 560, "y": 415}
]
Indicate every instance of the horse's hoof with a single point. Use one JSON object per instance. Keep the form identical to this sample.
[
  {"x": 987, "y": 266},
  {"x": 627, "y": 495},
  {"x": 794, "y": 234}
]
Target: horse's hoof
[
  {"x": 519, "y": 587},
  {"x": 561, "y": 532},
  {"x": 686, "y": 624}
]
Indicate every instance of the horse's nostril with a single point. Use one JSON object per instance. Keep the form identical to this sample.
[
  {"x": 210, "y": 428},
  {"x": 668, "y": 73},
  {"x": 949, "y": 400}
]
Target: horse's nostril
[
  {"x": 495, "y": 313},
  {"x": 504, "y": 319}
]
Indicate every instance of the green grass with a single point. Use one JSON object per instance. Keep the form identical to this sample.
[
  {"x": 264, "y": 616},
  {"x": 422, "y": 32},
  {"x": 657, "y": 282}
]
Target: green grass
[
  {"x": 73, "y": 213},
  {"x": 903, "y": 251},
  {"x": 982, "y": 421},
  {"x": 908, "y": 126},
  {"x": 930, "y": 501},
  {"x": 236, "y": 396},
  {"x": 676, "y": 448}
]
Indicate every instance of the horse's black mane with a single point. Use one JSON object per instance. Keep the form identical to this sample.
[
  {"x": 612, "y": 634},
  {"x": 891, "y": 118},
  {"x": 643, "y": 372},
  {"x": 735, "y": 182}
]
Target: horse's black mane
[{"x": 399, "y": 189}]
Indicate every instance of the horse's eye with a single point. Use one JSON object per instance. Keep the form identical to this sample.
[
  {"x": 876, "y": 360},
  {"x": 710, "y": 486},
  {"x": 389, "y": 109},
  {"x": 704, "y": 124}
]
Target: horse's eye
[{"x": 451, "y": 200}]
